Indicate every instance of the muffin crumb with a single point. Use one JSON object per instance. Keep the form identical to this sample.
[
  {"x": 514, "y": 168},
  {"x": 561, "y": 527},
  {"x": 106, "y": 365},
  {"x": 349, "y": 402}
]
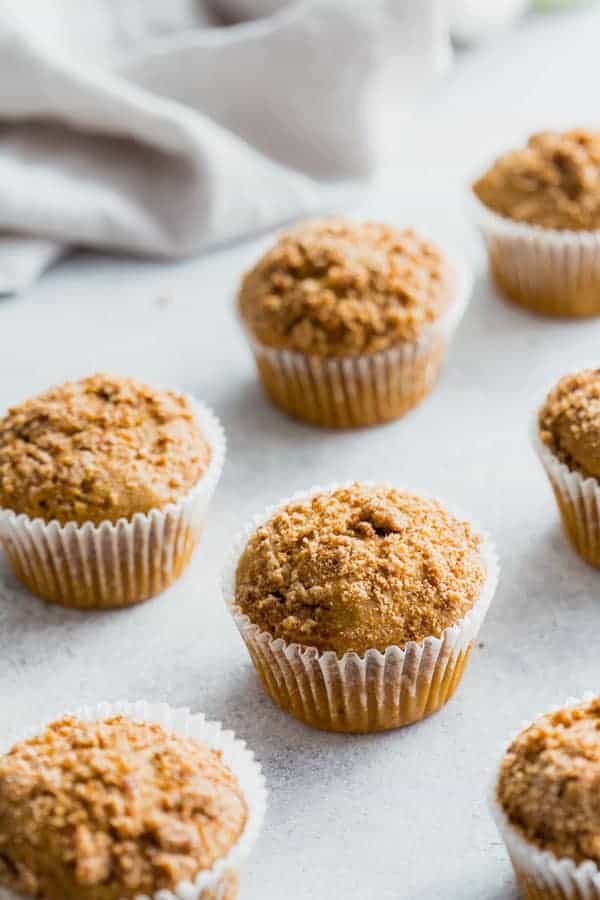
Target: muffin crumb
[
  {"x": 359, "y": 567},
  {"x": 549, "y": 782},
  {"x": 553, "y": 182},
  {"x": 113, "y": 809},
  {"x": 332, "y": 287},
  {"x": 569, "y": 421},
  {"x": 99, "y": 449}
]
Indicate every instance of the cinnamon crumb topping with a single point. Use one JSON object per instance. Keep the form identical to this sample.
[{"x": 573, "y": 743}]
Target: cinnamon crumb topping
[
  {"x": 113, "y": 809},
  {"x": 99, "y": 449},
  {"x": 335, "y": 288},
  {"x": 569, "y": 421},
  {"x": 549, "y": 782},
  {"x": 553, "y": 182},
  {"x": 359, "y": 568}
]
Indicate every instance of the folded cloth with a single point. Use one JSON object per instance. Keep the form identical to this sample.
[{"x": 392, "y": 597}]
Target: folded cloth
[{"x": 143, "y": 127}]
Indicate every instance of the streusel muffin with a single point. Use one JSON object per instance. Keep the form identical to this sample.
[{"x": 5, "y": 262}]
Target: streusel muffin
[
  {"x": 547, "y": 804},
  {"x": 359, "y": 605},
  {"x": 350, "y": 323},
  {"x": 119, "y": 806},
  {"x": 568, "y": 442},
  {"x": 104, "y": 484},
  {"x": 539, "y": 211}
]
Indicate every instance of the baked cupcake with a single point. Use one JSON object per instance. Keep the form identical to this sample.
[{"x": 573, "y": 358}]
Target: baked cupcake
[
  {"x": 133, "y": 801},
  {"x": 567, "y": 438},
  {"x": 350, "y": 323},
  {"x": 539, "y": 212},
  {"x": 104, "y": 489},
  {"x": 546, "y": 804},
  {"x": 359, "y": 605}
]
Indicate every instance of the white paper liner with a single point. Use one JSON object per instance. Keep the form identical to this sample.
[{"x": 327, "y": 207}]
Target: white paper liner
[
  {"x": 354, "y": 693},
  {"x": 348, "y": 392},
  {"x": 114, "y": 564},
  {"x": 546, "y": 874},
  {"x": 578, "y": 497},
  {"x": 550, "y": 271},
  {"x": 236, "y": 756}
]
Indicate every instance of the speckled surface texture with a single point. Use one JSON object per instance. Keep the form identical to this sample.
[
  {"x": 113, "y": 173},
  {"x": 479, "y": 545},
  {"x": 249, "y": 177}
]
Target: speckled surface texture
[{"x": 399, "y": 815}]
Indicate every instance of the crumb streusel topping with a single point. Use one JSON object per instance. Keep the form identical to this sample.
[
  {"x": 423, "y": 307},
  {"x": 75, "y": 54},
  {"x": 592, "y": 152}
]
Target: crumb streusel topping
[
  {"x": 549, "y": 782},
  {"x": 569, "y": 421},
  {"x": 332, "y": 287},
  {"x": 113, "y": 809},
  {"x": 99, "y": 449},
  {"x": 359, "y": 568},
  {"x": 553, "y": 182}
]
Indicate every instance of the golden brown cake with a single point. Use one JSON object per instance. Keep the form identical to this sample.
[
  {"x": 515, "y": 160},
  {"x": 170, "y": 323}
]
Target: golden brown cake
[
  {"x": 336, "y": 288},
  {"x": 570, "y": 422},
  {"x": 549, "y": 783},
  {"x": 98, "y": 450},
  {"x": 336, "y": 593},
  {"x": 337, "y": 295},
  {"x": 553, "y": 182},
  {"x": 359, "y": 568},
  {"x": 569, "y": 432},
  {"x": 104, "y": 489},
  {"x": 543, "y": 238},
  {"x": 113, "y": 809}
]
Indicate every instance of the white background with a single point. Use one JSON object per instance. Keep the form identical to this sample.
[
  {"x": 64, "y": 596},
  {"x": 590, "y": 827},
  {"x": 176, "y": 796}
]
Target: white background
[{"x": 402, "y": 814}]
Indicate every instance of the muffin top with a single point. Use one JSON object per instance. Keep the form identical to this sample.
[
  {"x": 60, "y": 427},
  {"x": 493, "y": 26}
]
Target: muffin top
[
  {"x": 99, "y": 449},
  {"x": 549, "y": 782},
  {"x": 569, "y": 421},
  {"x": 113, "y": 809},
  {"x": 337, "y": 288},
  {"x": 553, "y": 182},
  {"x": 358, "y": 568}
]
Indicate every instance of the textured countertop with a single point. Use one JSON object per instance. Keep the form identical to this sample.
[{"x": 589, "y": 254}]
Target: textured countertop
[{"x": 402, "y": 814}]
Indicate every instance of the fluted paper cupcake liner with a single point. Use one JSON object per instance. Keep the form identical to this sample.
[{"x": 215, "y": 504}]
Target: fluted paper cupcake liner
[
  {"x": 552, "y": 272},
  {"x": 351, "y": 392},
  {"x": 359, "y": 693},
  {"x": 542, "y": 875},
  {"x": 220, "y": 882},
  {"x": 578, "y": 499},
  {"x": 114, "y": 564}
]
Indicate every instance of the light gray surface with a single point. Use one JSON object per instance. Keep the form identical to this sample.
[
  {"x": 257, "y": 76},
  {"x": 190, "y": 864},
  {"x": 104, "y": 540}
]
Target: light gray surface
[{"x": 396, "y": 815}]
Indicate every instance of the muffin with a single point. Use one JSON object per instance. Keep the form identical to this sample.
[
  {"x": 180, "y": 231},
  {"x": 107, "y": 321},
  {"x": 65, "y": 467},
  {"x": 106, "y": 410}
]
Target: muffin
[
  {"x": 117, "y": 805},
  {"x": 538, "y": 209},
  {"x": 350, "y": 323},
  {"x": 567, "y": 438},
  {"x": 547, "y": 804},
  {"x": 104, "y": 488},
  {"x": 359, "y": 604}
]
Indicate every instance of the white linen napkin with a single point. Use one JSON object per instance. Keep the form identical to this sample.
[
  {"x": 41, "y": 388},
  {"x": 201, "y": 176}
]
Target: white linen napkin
[{"x": 142, "y": 126}]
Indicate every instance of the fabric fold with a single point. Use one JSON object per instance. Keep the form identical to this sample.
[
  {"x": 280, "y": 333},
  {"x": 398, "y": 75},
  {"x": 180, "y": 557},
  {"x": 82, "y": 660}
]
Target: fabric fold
[{"x": 189, "y": 139}]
